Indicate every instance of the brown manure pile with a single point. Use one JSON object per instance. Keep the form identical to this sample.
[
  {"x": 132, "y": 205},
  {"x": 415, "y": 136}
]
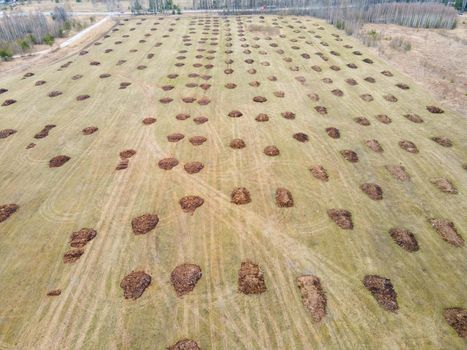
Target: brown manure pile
[
  {"x": 374, "y": 145},
  {"x": 382, "y": 290},
  {"x": 193, "y": 167},
  {"x": 8, "y": 102},
  {"x": 184, "y": 344},
  {"x": 58, "y": 161},
  {"x": 54, "y": 293},
  {"x": 271, "y": 151},
  {"x": 349, "y": 155},
  {"x": 7, "y": 210},
  {"x": 72, "y": 255},
  {"x": 447, "y": 231},
  {"x": 456, "y": 317},
  {"x": 434, "y": 109},
  {"x": 442, "y": 141},
  {"x": 134, "y": 284},
  {"x": 80, "y": 238},
  {"x": 128, "y": 153},
  {"x": 342, "y": 218},
  {"x": 240, "y": 195},
  {"x": 200, "y": 120},
  {"x": 168, "y": 163},
  {"x": 82, "y": 97},
  {"x": 319, "y": 173},
  {"x": 197, "y": 140},
  {"x": 313, "y": 296},
  {"x": 262, "y": 117},
  {"x": 284, "y": 198},
  {"x": 237, "y": 144},
  {"x": 144, "y": 223},
  {"x": 404, "y": 239},
  {"x": 372, "y": 190},
  {"x": 250, "y": 278},
  {"x": 175, "y": 137},
  {"x": 44, "y": 132},
  {"x": 184, "y": 278},
  {"x": 398, "y": 172},
  {"x": 190, "y": 203},
  {"x": 260, "y": 99},
  {"x": 235, "y": 114},
  {"x": 89, "y": 130},
  {"x": 444, "y": 185},
  {"x": 6, "y": 132},
  {"x": 408, "y": 146}
]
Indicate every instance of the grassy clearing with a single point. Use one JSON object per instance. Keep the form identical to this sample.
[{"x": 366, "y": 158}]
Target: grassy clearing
[{"x": 286, "y": 243}]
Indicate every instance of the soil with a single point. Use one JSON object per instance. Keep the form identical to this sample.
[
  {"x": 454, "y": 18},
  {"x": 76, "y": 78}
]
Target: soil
[
  {"x": 313, "y": 97},
  {"x": 128, "y": 153},
  {"x": 366, "y": 97},
  {"x": 122, "y": 165},
  {"x": 165, "y": 100},
  {"x": 362, "y": 121},
  {"x": 168, "y": 163},
  {"x": 342, "y": 218},
  {"x": 204, "y": 87},
  {"x": 124, "y": 85},
  {"x": 149, "y": 121},
  {"x": 2, "y": 90},
  {"x": 383, "y": 118},
  {"x": 254, "y": 83},
  {"x": 6, "y": 132},
  {"x": 279, "y": 94},
  {"x": 44, "y": 132},
  {"x": 444, "y": 185},
  {"x": 134, "y": 284},
  {"x": 351, "y": 82},
  {"x": 390, "y": 98},
  {"x": 434, "y": 109},
  {"x": 349, "y": 155},
  {"x": 313, "y": 296},
  {"x": 262, "y": 117},
  {"x": 404, "y": 238},
  {"x": 6, "y": 210},
  {"x": 386, "y": 73},
  {"x": 31, "y": 145},
  {"x": 190, "y": 203},
  {"x": 250, "y": 278},
  {"x": 167, "y": 87},
  {"x": 40, "y": 83},
  {"x": 271, "y": 151},
  {"x": 284, "y": 198},
  {"x": 240, "y": 195},
  {"x": 374, "y": 145},
  {"x": 184, "y": 278},
  {"x": 237, "y": 144},
  {"x": 327, "y": 80},
  {"x": 144, "y": 223},
  {"x": 54, "y": 292},
  {"x": 182, "y": 116},
  {"x": 456, "y": 317},
  {"x": 197, "y": 140},
  {"x": 58, "y": 161},
  {"x": 442, "y": 141},
  {"x": 184, "y": 344},
  {"x": 333, "y": 132},
  {"x": 272, "y": 78},
  {"x": 321, "y": 110},
  {"x": 105, "y": 75},
  {"x": 230, "y": 86},
  {"x": 414, "y": 118},
  {"x": 193, "y": 167},
  {"x": 82, "y": 97},
  {"x": 337, "y": 92},
  {"x": 373, "y": 191},
  {"x": 301, "y": 137},
  {"x": 383, "y": 291},
  {"x": 72, "y": 255},
  {"x": 89, "y": 130},
  {"x": 80, "y": 238},
  {"x": 403, "y": 86},
  {"x": 235, "y": 114},
  {"x": 352, "y": 66},
  {"x": 319, "y": 173},
  {"x": 288, "y": 115},
  {"x": 188, "y": 99},
  {"x": 408, "y": 146},
  {"x": 175, "y": 137},
  {"x": 8, "y": 102},
  {"x": 398, "y": 172},
  {"x": 200, "y": 120},
  {"x": 447, "y": 231},
  {"x": 260, "y": 99}
]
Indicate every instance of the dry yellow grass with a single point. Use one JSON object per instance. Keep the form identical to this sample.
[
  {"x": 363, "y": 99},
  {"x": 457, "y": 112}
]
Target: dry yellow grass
[{"x": 286, "y": 242}]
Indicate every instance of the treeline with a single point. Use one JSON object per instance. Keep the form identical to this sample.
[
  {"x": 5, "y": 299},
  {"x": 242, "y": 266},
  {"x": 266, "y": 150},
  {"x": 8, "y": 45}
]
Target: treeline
[
  {"x": 20, "y": 31},
  {"x": 138, "y": 7}
]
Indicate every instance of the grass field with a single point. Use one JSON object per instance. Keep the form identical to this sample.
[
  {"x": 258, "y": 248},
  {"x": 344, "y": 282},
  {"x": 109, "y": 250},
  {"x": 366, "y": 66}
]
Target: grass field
[{"x": 286, "y": 242}]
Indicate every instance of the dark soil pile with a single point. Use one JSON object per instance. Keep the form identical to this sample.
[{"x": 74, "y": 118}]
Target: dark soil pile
[
  {"x": 89, "y": 130},
  {"x": 39, "y": 83},
  {"x": 204, "y": 87},
  {"x": 279, "y": 94},
  {"x": 31, "y": 145},
  {"x": 204, "y": 101},
  {"x": 319, "y": 172},
  {"x": 260, "y": 99},
  {"x": 144, "y": 223},
  {"x": 386, "y": 73},
  {"x": 288, "y": 115},
  {"x": 149, "y": 121},
  {"x": 456, "y": 317},
  {"x": 313, "y": 96},
  {"x": 333, "y": 132},
  {"x": 254, "y": 83},
  {"x": 301, "y": 137},
  {"x": 8, "y": 102},
  {"x": 321, "y": 110},
  {"x": 6, "y": 210},
  {"x": 414, "y": 118},
  {"x": 182, "y": 116},
  {"x": 80, "y": 238},
  {"x": 408, "y": 146},
  {"x": 54, "y": 292},
  {"x": 2, "y": 90},
  {"x": 398, "y": 172},
  {"x": 342, "y": 218},
  {"x": 434, "y": 109},
  {"x": 262, "y": 117},
  {"x": 54, "y": 93},
  {"x": 373, "y": 191},
  {"x": 230, "y": 86},
  {"x": 351, "y": 82},
  {"x": 237, "y": 144},
  {"x": 390, "y": 98},
  {"x": 272, "y": 78},
  {"x": 188, "y": 99},
  {"x": 374, "y": 145},
  {"x": 193, "y": 167},
  {"x": 200, "y": 120},
  {"x": 349, "y": 155},
  {"x": 185, "y": 344},
  {"x": 284, "y": 198},
  {"x": 404, "y": 238},
  {"x": 235, "y": 114},
  {"x": 190, "y": 203},
  {"x": 6, "y": 132},
  {"x": 44, "y": 132},
  {"x": 134, "y": 284},
  {"x": 175, "y": 137},
  {"x": 271, "y": 151},
  {"x": 402, "y": 86},
  {"x": 197, "y": 140},
  {"x": 444, "y": 185},
  {"x": 382, "y": 290},
  {"x": 58, "y": 161},
  {"x": 124, "y": 85},
  {"x": 168, "y": 163},
  {"x": 313, "y": 296},
  {"x": 443, "y": 141},
  {"x": 105, "y": 75},
  {"x": 240, "y": 195},
  {"x": 383, "y": 118},
  {"x": 165, "y": 100},
  {"x": 184, "y": 278},
  {"x": 447, "y": 231},
  {"x": 366, "y": 97},
  {"x": 72, "y": 255},
  {"x": 122, "y": 165},
  {"x": 82, "y": 97},
  {"x": 250, "y": 278},
  {"x": 167, "y": 87},
  {"x": 337, "y": 92},
  {"x": 128, "y": 153}
]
